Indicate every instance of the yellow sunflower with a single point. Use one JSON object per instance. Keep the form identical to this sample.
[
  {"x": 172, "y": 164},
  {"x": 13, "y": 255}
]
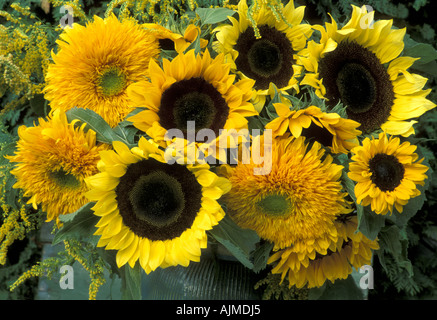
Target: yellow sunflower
[
  {"x": 297, "y": 201},
  {"x": 348, "y": 65},
  {"x": 350, "y": 249},
  {"x": 53, "y": 159},
  {"x": 329, "y": 129},
  {"x": 386, "y": 172},
  {"x": 151, "y": 211},
  {"x": 191, "y": 89},
  {"x": 95, "y": 64},
  {"x": 271, "y": 58},
  {"x": 169, "y": 40}
]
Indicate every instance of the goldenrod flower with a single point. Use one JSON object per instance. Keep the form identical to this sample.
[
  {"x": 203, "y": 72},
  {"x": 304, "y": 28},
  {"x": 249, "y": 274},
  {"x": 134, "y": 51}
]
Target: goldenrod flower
[
  {"x": 53, "y": 159},
  {"x": 96, "y": 63},
  {"x": 313, "y": 269},
  {"x": 297, "y": 201},
  {"x": 271, "y": 58},
  {"x": 151, "y": 211},
  {"x": 386, "y": 172},
  {"x": 348, "y": 65},
  {"x": 329, "y": 129}
]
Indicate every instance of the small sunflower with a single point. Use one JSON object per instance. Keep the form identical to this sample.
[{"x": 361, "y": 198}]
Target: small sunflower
[
  {"x": 350, "y": 249},
  {"x": 270, "y": 58},
  {"x": 151, "y": 211},
  {"x": 298, "y": 200},
  {"x": 329, "y": 129},
  {"x": 348, "y": 65},
  {"x": 169, "y": 40},
  {"x": 191, "y": 88},
  {"x": 95, "y": 64},
  {"x": 386, "y": 172},
  {"x": 53, "y": 159}
]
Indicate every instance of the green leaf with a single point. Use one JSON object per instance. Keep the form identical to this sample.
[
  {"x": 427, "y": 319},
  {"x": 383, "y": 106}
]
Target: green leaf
[
  {"x": 78, "y": 225},
  {"x": 424, "y": 51},
  {"x": 131, "y": 282},
  {"x": 394, "y": 241},
  {"x": 369, "y": 223},
  {"x": 342, "y": 289},
  {"x": 240, "y": 242},
  {"x": 261, "y": 255},
  {"x": 39, "y": 105},
  {"x": 213, "y": 15},
  {"x": 104, "y": 132}
]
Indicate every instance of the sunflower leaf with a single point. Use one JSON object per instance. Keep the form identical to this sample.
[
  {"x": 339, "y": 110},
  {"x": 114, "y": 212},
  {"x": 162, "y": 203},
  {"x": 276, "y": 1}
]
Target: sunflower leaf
[
  {"x": 78, "y": 225},
  {"x": 369, "y": 223},
  {"x": 213, "y": 15},
  {"x": 131, "y": 282},
  {"x": 240, "y": 242},
  {"x": 103, "y": 130}
]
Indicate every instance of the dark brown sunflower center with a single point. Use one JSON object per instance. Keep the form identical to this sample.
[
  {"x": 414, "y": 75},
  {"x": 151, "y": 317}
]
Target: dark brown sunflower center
[
  {"x": 157, "y": 198},
  {"x": 158, "y": 201},
  {"x": 268, "y": 59},
  {"x": 356, "y": 87},
  {"x": 193, "y": 100},
  {"x": 387, "y": 171},
  {"x": 64, "y": 179},
  {"x": 321, "y": 135},
  {"x": 166, "y": 44},
  {"x": 355, "y": 76}
]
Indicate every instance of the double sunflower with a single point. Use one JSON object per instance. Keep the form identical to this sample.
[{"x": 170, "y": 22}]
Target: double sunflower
[
  {"x": 95, "y": 64},
  {"x": 349, "y": 65},
  {"x": 297, "y": 201},
  {"x": 151, "y": 211},
  {"x": 53, "y": 159}
]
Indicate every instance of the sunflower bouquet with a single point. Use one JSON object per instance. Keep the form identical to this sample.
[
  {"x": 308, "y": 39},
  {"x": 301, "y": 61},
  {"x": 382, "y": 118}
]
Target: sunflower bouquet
[{"x": 223, "y": 150}]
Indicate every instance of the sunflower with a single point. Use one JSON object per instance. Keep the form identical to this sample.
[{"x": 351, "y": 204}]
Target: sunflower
[
  {"x": 95, "y": 64},
  {"x": 298, "y": 200},
  {"x": 151, "y": 211},
  {"x": 329, "y": 129},
  {"x": 348, "y": 65},
  {"x": 169, "y": 40},
  {"x": 191, "y": 89},
  {"x": 53, "y": 159},
  {"x": 387, "y": 173},
  {"x": 350, "y": 249},
  {"x": 270, "y": 58}
]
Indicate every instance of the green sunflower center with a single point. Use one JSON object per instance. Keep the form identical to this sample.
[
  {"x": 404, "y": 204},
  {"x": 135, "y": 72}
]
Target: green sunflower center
[
  {"x": 64, "y": 179},
  {"x": 265, "y": 60},
  {"x": 357, "y": 87},
  {"x": 112, "y": 81},
  {"x": 157, "y": 199},
  {"x": 274, "y": 205},
  {"x": 387, "y": 171}
]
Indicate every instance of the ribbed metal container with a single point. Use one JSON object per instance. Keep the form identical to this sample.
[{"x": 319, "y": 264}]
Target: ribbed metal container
[{"x": 210, "y": 279}]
